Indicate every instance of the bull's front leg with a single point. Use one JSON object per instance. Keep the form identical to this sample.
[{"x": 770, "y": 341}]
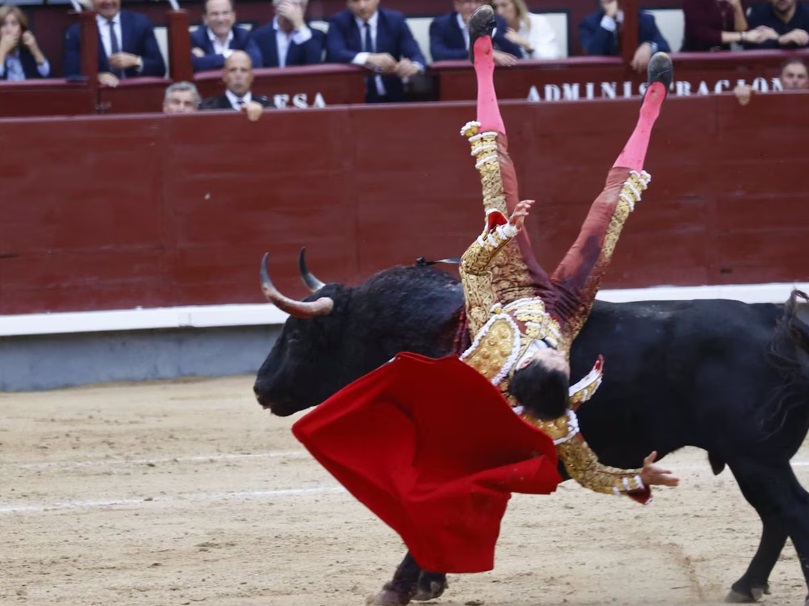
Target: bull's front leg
[
  {"x": 402, "y": 587},
  {"x": 410, "y": 582}
]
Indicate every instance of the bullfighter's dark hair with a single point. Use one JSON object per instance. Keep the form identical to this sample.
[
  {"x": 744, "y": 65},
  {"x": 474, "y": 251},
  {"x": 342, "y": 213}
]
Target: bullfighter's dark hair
[{"x": 541, "y": 390}]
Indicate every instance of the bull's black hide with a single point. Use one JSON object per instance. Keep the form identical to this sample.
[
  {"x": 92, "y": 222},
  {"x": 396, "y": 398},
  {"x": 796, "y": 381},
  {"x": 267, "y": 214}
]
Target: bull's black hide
[{"x": 729, "y": 377}]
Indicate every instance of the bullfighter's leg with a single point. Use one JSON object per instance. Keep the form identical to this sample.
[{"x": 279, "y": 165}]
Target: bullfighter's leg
[
  {"x": 499, "y": 178},
  {"x": 578, "y": 276}
]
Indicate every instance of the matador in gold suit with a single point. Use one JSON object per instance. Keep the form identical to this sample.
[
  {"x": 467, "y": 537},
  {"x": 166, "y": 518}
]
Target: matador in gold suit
[
  {"x": 431, "y": 445},
  {"x": 519, "y": 315}
]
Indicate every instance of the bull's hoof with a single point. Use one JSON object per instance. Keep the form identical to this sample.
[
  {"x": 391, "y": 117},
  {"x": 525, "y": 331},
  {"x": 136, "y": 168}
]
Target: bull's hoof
[
  {"x": 746, "y": 597},
  {"x": 431, "y": 592},
  {"x": 388, "y": 597}
]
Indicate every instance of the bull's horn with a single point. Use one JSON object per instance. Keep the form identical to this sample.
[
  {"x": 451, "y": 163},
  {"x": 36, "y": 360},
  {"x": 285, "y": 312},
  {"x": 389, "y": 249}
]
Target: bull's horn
[
  {"x": 298, "y": 309},
  {"x": 309, "y": 280}
]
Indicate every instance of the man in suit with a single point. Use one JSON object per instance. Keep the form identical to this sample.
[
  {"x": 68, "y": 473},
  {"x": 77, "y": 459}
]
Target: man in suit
[
  {"x": 379, "y": 40},
  {"x": 598, "y": 33},
  {"x": 449, "y": 35},
  {"x": 181, "y": 98},
  {"x": 212, "y": 43},
  {"x": 238, "y": 78},
  {"x": 287, "y": 40},
  {"x": 127, "y": 47}
]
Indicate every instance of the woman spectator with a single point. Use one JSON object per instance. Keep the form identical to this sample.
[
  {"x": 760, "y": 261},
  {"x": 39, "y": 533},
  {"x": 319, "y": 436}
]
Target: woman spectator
[
  {"x": 532, "y": 33},
  {"x": 20, "y": 56},
  {"x": 714, "y": 24}
]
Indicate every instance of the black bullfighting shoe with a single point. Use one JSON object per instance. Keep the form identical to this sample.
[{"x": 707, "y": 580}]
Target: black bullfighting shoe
[
  {"x": 481, "y": 23},
  {"x": 660, "y": 70}
]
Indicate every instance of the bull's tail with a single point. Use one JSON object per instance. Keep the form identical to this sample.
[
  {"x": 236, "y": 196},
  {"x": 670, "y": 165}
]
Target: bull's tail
[{"x": 789, "y": 353}]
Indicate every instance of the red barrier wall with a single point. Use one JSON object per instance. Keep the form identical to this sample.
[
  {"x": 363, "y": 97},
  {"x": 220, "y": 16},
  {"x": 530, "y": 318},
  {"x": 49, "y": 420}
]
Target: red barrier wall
[{"x": 108, "y": 212}]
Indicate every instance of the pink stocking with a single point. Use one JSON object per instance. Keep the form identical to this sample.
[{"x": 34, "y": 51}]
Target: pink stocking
[
  {"x": 488, "y": 111},
  {"x": 634, "y": 152}
]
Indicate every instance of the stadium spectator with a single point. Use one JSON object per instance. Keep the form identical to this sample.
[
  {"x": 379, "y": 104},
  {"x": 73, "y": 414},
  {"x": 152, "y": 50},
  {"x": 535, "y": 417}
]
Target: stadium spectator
[
  {"x": 238, "y": 78},
  {"x": 20, "y": 55},
  {"x": 127, "y": 47},
  {"x": 449, "y": 36},
  {"x": 181, "y": 98},
  {"x": 212, "y": 43},
  {"x": 787, "y": 18},
  {"x": 712, "y": 25},
  {"x": 287, "y": 39},
  {"x": 379, "y": 40},
  {"x": 794, "y": 76},
  {"x": 532, "y": 33},
  {"x": 598, "y": 33}
]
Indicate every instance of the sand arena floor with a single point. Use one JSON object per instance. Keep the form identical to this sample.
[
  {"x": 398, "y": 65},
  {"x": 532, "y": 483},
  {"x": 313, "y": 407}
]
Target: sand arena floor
[{"x": 180, "y": 493}]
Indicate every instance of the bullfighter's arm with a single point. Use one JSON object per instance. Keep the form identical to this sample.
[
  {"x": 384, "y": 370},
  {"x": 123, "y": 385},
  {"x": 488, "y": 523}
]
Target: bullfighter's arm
[
  {"x": 582, "y": 464},
  {"x": 476, "y": 268}
]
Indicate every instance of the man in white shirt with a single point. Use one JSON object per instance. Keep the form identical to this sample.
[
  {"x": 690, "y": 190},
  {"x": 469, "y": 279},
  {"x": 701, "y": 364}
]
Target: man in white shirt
[
  {"x": 212, "y": 43},
  {"x": 127, "y": 45},
  {"x": 379, "y": 40},
  {"x": 287, "y": 40},
  {"x": 238, "y": 78}
]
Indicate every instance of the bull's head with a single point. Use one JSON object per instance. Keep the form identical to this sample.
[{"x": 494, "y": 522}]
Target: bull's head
[
  {"x": 292, "y": 376},
  {"x": 338, "y": 333}
]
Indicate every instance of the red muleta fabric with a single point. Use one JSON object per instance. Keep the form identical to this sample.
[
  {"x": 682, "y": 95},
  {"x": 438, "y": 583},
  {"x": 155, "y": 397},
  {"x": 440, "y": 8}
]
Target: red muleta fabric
[{"x": 432, "y": 448}]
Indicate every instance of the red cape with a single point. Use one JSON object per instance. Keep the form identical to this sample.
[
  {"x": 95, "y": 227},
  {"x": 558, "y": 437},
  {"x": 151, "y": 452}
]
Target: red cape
[{"x": 433, "y": 449}]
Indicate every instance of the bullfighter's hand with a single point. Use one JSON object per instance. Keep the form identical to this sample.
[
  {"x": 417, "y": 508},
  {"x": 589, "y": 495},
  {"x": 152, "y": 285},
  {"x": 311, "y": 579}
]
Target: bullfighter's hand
[
  {"x": 520, "y": 213},
  {"x": 108, "y": 79},
  {"x": 652, "y": 474}
]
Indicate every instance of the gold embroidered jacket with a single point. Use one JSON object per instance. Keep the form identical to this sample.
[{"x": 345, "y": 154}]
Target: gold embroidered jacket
[{"x": 508, "y": 319}]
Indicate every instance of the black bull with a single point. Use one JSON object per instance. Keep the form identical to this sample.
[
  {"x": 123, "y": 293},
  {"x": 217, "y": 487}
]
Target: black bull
[{"x": 729, "y": 377}]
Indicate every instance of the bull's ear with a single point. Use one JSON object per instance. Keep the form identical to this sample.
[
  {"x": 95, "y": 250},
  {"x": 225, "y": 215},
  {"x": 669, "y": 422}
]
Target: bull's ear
[{"x": 309, "y": 280}]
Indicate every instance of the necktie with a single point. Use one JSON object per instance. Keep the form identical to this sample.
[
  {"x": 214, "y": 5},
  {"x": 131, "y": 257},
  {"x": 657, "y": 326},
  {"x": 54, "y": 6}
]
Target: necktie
[
  {"x": 368, "y": 47},
  {"x": 114, "y": 46},
  {"x": 367, "y": 43},
  {"x": 240, "y": 102}
]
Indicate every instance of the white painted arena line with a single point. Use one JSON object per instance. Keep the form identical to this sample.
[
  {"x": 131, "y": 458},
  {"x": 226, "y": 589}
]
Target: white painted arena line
[
  {"x": 253, "y": 494},
  {"x": 291, "y": 454},
  {"x": 281, "y": 454}
]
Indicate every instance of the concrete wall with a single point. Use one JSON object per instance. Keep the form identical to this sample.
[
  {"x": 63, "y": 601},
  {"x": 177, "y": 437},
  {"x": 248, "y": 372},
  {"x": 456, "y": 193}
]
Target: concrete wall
[{"x": 32, "y": 363}]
